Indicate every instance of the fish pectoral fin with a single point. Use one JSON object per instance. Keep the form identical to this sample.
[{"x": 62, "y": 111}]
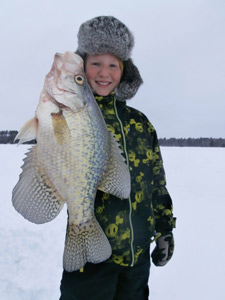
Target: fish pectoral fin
[
  {"x": 33, "y": 196},
  {"x": 85, "y": 243},
  {"x": 116, "y": 180},
  {"x": 61, "y": 128},
  {"x": 28, "y": 132}
]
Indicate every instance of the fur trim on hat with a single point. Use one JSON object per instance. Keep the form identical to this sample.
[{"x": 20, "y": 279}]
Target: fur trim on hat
[
  {"x": 106, "y": 34},
  {"x": 130, "y": 81}
]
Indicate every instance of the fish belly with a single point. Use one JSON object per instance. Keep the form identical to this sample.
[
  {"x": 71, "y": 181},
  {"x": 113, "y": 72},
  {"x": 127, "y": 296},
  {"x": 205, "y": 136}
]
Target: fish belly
[{"x": 75, "y": 163}]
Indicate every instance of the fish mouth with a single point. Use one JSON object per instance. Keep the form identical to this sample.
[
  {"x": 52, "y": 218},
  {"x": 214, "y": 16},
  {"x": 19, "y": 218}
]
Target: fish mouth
[{"x": 65, "y": 91}]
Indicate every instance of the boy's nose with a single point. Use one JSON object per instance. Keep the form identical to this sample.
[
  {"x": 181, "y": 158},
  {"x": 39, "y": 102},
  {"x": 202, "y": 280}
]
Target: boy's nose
[{"x": 104, "y": 71}]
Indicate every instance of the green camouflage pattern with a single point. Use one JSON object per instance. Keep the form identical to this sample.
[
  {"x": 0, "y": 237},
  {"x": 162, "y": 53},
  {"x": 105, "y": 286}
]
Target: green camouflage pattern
[{"x": 131, "y": 224}]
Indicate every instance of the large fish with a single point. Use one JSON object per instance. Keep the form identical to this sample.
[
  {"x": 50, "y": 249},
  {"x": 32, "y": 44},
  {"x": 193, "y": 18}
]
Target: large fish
[{"x": 74, "y": 156}]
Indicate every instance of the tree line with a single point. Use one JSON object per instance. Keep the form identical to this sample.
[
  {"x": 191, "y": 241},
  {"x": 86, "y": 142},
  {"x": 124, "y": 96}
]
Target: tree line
[
  {"x": 8, "y": 136},
  {"x": 193, "y": 142}
]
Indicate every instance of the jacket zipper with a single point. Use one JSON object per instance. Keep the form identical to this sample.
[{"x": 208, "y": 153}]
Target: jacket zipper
[{"x": 130, "y": 204}]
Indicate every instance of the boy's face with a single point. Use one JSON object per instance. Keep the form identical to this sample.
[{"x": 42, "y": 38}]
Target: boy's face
[{"x": 103, "y": 73}]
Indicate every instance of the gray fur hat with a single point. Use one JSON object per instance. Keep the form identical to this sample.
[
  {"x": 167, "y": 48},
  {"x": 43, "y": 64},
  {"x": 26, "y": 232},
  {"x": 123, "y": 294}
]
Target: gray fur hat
[{"x": 106, "y": 34}]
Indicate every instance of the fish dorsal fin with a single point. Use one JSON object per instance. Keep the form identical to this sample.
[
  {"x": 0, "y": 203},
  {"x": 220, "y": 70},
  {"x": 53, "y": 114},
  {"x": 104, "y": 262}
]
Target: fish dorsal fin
[
  {"x": 34, "y": 197},
  {"x": 116, "y": 180},
  {"x": 28, "y": 132}
]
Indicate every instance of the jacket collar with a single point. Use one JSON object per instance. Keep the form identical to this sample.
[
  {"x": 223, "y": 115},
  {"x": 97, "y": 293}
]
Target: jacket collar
[{"x": 110, "y": 100}]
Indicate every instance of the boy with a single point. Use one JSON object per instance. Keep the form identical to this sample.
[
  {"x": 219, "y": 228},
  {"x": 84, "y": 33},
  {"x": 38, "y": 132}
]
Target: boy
[{"x": 131, "y": 224}]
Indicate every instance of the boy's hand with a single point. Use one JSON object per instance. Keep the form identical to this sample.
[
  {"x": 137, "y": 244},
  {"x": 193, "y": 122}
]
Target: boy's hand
[{"x": 163, "y": 250}]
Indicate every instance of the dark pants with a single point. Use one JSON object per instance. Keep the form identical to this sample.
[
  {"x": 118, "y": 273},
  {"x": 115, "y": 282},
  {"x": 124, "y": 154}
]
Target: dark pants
[{"x": 107, "y": 281}]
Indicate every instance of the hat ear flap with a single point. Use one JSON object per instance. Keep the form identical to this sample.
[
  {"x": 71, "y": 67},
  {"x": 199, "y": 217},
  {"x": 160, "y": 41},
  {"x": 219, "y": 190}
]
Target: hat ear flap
[{"x": 130, "y": 81}]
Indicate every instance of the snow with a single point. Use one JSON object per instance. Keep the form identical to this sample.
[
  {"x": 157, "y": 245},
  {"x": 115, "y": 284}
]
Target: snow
[{"x": 31, "y": 255}]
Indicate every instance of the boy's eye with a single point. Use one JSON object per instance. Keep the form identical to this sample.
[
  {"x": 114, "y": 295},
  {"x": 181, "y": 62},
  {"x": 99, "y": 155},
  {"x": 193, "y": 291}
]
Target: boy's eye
[
  {"x": 113, "y": 66},
  {"x": 95, "y": 64}
]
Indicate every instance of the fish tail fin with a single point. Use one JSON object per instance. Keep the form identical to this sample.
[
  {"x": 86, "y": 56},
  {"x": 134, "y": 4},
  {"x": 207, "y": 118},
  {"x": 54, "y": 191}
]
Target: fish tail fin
[{"x": 85, "y": 243}]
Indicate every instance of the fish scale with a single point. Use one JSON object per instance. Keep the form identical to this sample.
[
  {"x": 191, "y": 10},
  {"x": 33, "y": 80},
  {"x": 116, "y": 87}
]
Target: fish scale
[{"x": 74, "y": 156}]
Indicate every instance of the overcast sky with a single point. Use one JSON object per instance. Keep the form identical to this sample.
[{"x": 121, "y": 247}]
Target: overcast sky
[{"x": 179, "y": 50}]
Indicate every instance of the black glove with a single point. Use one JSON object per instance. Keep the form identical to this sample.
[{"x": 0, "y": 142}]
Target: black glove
[{"x": 163, "y": 250}]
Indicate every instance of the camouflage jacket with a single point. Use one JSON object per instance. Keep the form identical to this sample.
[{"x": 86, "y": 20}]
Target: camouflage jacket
[{"x": 131, "y": 224}]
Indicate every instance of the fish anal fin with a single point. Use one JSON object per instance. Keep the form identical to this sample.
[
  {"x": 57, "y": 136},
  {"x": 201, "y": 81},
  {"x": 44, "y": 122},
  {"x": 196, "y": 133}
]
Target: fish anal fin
[
  {"x": 33, "y": 196},
  {"x": 116, "y": 180},
  {"x": 28, "y": 132}
]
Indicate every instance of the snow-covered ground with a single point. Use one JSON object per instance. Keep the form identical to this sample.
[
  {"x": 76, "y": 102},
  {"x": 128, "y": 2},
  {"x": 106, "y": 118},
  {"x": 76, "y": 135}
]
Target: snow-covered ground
[{"x": 31, "y": 255}]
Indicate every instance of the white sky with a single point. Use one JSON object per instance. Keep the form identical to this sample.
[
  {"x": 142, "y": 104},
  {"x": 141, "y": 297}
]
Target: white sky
[{"x": 179, "y": 50}]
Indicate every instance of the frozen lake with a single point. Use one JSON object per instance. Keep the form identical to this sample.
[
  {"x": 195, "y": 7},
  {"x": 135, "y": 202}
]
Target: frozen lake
[{"x": 31, "y": 255}]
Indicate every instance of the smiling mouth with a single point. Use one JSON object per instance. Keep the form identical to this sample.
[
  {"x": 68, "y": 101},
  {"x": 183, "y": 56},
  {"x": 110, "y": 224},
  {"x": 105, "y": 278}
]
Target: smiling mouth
[{"x": 103, "y": 83}]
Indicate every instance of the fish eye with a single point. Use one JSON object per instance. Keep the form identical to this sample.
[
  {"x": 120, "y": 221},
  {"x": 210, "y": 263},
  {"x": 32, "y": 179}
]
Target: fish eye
[{"x": 79, "y": 79}]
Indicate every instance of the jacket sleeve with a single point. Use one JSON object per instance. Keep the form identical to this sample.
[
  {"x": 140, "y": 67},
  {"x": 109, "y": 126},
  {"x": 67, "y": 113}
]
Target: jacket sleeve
[{"x": 162, "y": 202}]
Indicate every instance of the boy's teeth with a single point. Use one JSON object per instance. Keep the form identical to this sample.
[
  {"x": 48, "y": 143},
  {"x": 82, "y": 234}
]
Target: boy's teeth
[{"x": 103, "y": 83}]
